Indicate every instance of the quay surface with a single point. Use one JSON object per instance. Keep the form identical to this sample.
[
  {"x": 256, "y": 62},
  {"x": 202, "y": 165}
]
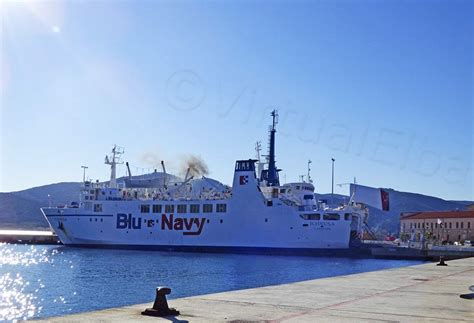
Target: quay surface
[{"x": 410, "y": 294}]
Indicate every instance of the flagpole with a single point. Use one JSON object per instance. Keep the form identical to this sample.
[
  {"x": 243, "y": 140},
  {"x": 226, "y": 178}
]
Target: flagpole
[{"x": 332, "y": 185}]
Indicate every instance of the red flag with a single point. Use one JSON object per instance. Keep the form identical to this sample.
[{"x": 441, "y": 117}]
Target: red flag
[{"x": 385, "y": 200}]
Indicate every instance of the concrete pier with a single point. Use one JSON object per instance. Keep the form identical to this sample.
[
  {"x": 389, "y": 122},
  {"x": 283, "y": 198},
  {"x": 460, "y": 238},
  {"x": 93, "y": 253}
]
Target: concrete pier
[
  {"x": 411, "y": 294},
  {"x": 28, "y": 237}
]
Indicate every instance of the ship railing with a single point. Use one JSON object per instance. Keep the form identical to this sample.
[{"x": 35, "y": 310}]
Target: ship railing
[{"x": 288, "y": 201}]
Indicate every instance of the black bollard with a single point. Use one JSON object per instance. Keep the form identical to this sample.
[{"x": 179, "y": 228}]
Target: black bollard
[
  {"x": 441, "y": 262},
  {"x": 160, "y": 307}
]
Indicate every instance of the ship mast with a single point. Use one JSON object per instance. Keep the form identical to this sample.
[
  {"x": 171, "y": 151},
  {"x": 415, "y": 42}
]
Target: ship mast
[
  {"x": 113, "y": 160},
  {"x": 310, "y": 180},
  {"x": 272, "y": 179},
  {"x": 258, "y": 149}
]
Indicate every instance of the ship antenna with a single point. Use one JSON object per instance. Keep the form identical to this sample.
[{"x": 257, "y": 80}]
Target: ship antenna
[
  {"x": 258, "y": 149},
  {"x": 310, "y": 180}
]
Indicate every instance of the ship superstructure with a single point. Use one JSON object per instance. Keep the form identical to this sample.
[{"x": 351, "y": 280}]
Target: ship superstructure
[{"x": 161, "y": 212}]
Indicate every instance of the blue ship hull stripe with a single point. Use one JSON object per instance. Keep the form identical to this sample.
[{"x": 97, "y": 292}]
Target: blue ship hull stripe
[{"x": 88, "y": 215}]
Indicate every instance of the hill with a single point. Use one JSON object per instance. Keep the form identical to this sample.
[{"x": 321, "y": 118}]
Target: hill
[{"x": 21, "y": 210}]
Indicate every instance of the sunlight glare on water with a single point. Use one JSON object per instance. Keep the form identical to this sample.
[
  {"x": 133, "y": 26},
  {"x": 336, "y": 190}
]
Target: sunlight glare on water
[
  {"x": 15, "y": 301},
  {"x": 44, "y": 281}
]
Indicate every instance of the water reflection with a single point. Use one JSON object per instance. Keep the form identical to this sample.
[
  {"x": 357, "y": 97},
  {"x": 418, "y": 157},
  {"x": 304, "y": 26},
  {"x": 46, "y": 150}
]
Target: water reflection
[
  {"x": 43, "y": 281},
  {"x": 20, "y": 297}
]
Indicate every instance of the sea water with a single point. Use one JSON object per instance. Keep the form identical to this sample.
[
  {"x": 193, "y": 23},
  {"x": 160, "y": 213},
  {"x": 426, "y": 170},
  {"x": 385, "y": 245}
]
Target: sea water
[{"x": 44, "y": 281}]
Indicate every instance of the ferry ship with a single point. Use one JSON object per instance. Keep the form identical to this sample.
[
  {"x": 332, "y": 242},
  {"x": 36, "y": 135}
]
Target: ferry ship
[{"x": 256, "y": 214}]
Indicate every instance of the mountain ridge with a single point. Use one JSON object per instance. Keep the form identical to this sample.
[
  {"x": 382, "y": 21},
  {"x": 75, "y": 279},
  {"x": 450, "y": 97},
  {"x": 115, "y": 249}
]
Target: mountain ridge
[{"x": 21, "y": 209}]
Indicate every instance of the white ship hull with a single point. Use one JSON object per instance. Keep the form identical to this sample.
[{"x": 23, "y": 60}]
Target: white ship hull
[{"x": 245, "y": 224}]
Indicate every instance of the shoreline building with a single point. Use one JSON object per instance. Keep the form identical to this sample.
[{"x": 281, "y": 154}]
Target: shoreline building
[{"x": 440, "y": 226}]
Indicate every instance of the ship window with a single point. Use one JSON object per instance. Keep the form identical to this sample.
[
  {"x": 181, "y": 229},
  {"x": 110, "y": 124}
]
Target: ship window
[
  {"x": 245, "y": 165},
  {"x": 283, "y": 190},
  {"x": 97, "y": 207},
  {"x": 313, "y": 217},
  {"x": 169, "y": 208},
  {"x": 308, "y": 197},
  {"x": 297, "y": 187},
  {"x": 182, "y": 208},
  {"x": 347, "y": 216},
  {"x": 221, "y": 208},
  {"x": 462, "y": 225},
  {"x": 194, "y": 208},
  {"x": 207, "y": 208},
  {"x": 157, "y": 208},
  {"x": 145, "y": 208},
  {"x": 331, "y": 216}
]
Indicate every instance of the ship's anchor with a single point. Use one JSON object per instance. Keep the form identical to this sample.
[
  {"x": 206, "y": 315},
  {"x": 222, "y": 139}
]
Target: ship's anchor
[
  {"x": 61, "y": 226},
  {"x": 160, "y": 307}
]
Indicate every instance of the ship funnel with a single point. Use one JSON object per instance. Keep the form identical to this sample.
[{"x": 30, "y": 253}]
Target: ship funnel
[
  {"x": 245, "y": 182},
  {"x": 128, "y": 169},
  {"x": 164, "y": 173},
  {"x": 187, "y": 174}
]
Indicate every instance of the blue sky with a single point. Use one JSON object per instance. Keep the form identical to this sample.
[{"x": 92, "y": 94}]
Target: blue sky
[{"x": 384, "y": 87}]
